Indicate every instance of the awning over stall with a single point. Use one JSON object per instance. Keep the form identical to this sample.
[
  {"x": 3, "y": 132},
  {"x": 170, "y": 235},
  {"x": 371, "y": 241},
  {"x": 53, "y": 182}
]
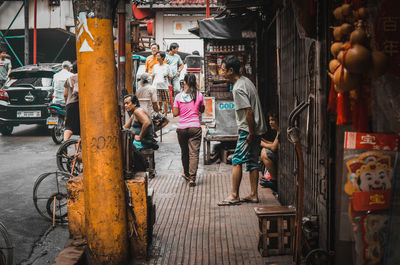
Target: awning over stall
[
  {"x": 234, "y": 28},
  {"x": 54, "y": 45}
]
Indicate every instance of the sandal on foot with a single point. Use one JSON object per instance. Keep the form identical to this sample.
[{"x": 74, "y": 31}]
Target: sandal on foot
[
  {"x": 185, "y": 178},
  {"x": 192, "y": 183},
  {"x": 228, "y": 203},
  {"x": 246, "y": 200}
]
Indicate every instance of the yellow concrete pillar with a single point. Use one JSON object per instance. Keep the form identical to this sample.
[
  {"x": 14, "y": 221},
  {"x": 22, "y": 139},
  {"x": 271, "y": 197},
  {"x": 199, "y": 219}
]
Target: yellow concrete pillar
[
  {"x": 105, "y": 205},
  {"x": 144, "y": 213},
  {"x": 76, "y": 208}
]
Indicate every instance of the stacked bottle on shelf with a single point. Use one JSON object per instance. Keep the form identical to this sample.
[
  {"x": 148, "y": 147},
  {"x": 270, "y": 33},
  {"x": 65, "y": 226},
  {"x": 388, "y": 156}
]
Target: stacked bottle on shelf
[{"x": 225, "y": 48}]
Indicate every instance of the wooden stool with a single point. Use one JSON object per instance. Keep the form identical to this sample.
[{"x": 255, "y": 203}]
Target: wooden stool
[
  {"x": 149, "y": 156},
  {"x": 277, "y": 230}
]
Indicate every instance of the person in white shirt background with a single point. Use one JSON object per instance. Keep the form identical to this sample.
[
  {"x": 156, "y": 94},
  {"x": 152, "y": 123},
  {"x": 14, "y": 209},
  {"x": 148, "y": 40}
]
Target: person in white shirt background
[
  {"x": 176, "y": 64},
  {"x": 59, "y": 81},
  {"x": 161, "y": 75}
]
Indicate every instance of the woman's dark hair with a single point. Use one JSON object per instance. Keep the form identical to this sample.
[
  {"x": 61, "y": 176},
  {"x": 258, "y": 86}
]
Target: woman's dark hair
[
  {"x": 158, "y": 46},
  {"x": 75, "y": 67},
  {"x": 234, "y": 63},
  {"x": 272, "y": 115},
  {"x": 190, "y": 80},
  {"x": 134, "y": 99},
  {"x": 173, "y": 46}
]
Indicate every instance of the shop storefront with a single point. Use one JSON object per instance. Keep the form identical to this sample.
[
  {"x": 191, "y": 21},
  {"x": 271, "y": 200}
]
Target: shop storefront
[
  {"x": 359, "y": 46},
  {"x": 223, "y": 37}
]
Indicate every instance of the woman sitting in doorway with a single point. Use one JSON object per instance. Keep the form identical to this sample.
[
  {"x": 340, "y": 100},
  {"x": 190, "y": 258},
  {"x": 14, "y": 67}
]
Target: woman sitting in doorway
[{"x": 141, "y": 124}]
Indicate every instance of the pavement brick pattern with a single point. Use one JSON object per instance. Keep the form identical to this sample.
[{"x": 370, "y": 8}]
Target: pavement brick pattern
[{"x": 190, "y": 228}]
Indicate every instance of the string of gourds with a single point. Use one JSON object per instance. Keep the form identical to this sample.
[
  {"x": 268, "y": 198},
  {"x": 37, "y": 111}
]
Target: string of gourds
[{"x": 354, "y": 59}]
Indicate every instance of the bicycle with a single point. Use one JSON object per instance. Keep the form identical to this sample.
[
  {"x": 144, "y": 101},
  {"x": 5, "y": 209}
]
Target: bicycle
[
  {"x": 6, "y": 247},
  {"x": 50, "y": 197},
  {"x": 69, "y": 157}
]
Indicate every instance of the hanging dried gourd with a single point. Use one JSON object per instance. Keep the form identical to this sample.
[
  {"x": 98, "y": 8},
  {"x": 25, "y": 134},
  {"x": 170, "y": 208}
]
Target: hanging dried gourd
[
  {"x": 337, "y": 33},
  {"x": 356, "y": 59},
  {"x": 333, "y": 65},
  {"x": 362, "y": 13},
  {"x": 336, "y": 47},
  {"x": 344, "y": 80},
  {"x": 346, "y": 29},
  {"x": 380, "y": 63},
  {"x": 346, "y": 10},
  {"x": 359, "y": 35},
  {"x": 337, "y": 13}
]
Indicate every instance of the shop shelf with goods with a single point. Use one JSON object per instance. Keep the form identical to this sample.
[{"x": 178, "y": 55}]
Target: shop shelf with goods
[
  {"x": 215, "y": 52},
  {"x": 223, "y": 127}
]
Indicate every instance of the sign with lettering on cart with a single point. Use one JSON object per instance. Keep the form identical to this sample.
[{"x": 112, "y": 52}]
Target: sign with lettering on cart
[{"x": 225, "y": 127}]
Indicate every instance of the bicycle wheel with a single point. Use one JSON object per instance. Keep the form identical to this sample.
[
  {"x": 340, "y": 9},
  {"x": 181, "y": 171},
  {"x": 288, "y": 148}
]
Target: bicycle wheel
[
  {"x": 66, "y": 155},
  {"x": 318, "y": 257},
  {"x": 6, "y": 247},
  {"x": 49, "y": 189}
]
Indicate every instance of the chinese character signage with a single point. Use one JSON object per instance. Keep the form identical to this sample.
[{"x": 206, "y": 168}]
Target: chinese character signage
[
  {"x": 368, "y": 174},
  {"x": 387, "y": 32}
]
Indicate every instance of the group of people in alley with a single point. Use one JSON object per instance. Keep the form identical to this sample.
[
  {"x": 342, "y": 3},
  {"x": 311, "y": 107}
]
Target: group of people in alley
[
  {"x": 153, "y": 96},
  {"x": 149, "y": 106}
]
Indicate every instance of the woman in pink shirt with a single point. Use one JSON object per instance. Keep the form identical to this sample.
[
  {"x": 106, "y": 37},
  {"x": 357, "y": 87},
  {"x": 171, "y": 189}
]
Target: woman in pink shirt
[{"x": 188, "y": 105}]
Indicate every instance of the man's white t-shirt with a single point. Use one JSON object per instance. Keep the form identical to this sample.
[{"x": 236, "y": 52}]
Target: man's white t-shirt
[
  {"x": 161, "y": 73},
  {"x": 59, "y": 81}
]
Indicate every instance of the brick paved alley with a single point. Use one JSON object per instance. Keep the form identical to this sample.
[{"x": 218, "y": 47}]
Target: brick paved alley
[{"x": 190, "y": 228}]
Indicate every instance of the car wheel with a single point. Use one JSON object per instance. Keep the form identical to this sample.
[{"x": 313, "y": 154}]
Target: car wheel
[
  {"x": 6, "y": 130},
  {"x": 57, "y": 133}
]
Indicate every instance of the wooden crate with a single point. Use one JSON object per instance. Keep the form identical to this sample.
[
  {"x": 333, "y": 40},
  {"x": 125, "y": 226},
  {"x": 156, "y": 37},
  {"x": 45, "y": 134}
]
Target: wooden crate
[{"x": 277, "y": 230}]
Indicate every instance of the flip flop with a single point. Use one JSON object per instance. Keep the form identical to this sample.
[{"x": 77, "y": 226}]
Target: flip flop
[
  {"x": 245, "y": 200},
  {"x": 192, "y": 183},
  {"x": 185, "y": 178},
  {"x": 228, "y": 203}
]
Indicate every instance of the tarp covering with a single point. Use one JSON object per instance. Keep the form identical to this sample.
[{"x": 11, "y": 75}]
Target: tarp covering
[{"x": 233, "y": 28}]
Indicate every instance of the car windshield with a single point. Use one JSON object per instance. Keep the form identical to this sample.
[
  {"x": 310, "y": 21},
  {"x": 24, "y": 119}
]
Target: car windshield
[{"x": 34, "y": 81}]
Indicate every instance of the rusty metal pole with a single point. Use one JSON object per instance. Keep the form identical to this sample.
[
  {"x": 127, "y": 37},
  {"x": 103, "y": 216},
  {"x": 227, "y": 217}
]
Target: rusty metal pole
[
  {"x": 26, "y": 32},
  {"x": 104, "y": 187},
  {"x": 35, "y": 32},
  {"x": 128, "y": 49},
  {"x": 121, "y": 57}
]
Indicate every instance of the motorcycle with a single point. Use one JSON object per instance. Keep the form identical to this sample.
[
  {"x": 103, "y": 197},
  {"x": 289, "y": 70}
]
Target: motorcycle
[{"x": 56, "y": 122}]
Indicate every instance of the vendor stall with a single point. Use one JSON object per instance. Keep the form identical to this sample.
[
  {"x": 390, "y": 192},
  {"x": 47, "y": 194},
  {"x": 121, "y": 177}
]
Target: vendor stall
[{"x": 224, "y": 37}]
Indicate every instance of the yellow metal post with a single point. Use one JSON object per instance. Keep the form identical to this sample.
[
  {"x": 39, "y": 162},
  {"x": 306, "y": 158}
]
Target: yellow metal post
[{"x": 105, "y": 205}]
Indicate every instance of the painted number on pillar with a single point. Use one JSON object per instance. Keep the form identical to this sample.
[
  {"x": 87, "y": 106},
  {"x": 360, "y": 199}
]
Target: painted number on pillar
[{"x": 101, "y": 142}]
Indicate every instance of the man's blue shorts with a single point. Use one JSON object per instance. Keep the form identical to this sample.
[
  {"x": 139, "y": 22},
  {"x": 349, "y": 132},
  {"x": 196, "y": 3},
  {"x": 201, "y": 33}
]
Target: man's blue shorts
[{"x": 247, "y": 152}]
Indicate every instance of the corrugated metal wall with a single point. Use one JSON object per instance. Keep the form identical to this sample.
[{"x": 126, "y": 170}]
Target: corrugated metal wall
[{"x": 300, "y": 79}]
